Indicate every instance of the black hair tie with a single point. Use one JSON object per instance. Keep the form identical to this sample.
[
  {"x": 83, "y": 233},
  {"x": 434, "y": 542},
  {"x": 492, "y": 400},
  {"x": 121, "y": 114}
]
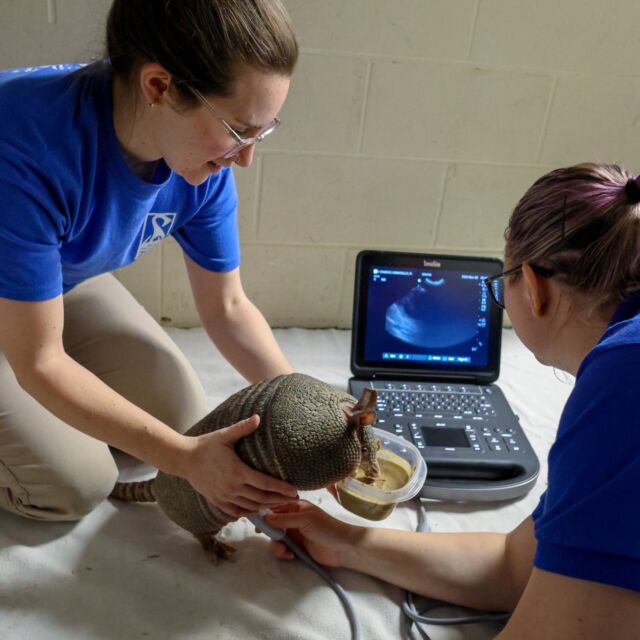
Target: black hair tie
[{"x": 632, "y": 190}]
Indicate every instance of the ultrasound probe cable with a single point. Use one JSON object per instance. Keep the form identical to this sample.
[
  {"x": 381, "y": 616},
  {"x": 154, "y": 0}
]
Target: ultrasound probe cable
[
  {"x": 280, "y": 535},
  {"x": 410, "y": 610},
  {"x": 408, "y": 606}
]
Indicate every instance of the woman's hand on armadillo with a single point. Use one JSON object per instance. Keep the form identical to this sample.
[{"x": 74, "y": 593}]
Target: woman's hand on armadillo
[
  {"x": 218, "y": 473},
  {"x": 326, "y": 539}
]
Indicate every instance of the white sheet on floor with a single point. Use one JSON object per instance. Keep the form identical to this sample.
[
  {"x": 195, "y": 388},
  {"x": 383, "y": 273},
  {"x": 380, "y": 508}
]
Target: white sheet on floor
[{"x": 126, "y": 572}]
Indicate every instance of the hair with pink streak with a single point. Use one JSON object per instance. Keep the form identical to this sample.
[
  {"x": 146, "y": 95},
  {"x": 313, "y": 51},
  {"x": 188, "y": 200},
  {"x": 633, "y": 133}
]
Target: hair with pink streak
[{"x": 580, "y": 222}]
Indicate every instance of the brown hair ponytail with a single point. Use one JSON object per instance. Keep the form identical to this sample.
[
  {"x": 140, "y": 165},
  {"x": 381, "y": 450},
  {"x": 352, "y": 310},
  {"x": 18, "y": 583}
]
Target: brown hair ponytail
[{"x": 584, "y": 223}]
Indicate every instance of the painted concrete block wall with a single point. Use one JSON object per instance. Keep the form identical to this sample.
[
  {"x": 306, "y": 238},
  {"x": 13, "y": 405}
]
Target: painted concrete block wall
[{"x": 410, "y": 125}]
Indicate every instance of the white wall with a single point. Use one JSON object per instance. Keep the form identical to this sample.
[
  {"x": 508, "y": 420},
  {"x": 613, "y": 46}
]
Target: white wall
[{"x": 411, "y": 125}]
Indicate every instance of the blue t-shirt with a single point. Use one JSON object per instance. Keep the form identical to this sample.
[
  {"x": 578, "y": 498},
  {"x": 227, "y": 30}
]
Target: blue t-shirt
[
  {"x": 587, "y": 523},
  {"x": 71, "y": 207}
]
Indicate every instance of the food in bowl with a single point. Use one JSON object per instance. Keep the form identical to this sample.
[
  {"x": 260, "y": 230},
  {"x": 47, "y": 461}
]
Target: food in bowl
[{"x": 402, "y": 475}]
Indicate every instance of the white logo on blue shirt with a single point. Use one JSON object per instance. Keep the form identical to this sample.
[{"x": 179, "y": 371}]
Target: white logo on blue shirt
[{"x": 156, "y": 227}]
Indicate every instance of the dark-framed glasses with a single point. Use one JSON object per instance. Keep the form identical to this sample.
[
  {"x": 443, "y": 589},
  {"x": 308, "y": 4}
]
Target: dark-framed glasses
[
  {"x": 241, "y": 143},
  {"x": 495, "y": 284}
]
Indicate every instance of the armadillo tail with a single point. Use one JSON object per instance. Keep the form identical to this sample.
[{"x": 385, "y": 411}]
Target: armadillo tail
[{"x": 134, "y": 491}]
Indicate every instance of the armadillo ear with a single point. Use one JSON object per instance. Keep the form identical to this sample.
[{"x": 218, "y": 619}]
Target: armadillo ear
[
  {"x": 367, "y": 401},
  {"x": 363, "y": 412}
]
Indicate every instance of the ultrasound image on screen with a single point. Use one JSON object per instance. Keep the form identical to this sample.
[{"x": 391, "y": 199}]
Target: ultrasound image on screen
[{"x": 436, "y": 317}]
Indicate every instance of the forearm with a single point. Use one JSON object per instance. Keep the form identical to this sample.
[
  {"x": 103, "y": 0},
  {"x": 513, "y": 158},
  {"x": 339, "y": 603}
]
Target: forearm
[
  {"x": 469, "y": 569},
  {"x": 76, "y": 396},
  {"x": 245, "y": 339}
]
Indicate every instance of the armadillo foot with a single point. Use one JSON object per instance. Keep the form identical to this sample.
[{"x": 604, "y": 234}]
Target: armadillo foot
[{"x": 215, "y": 549}]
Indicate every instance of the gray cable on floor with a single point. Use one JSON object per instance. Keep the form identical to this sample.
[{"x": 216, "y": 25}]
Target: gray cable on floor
[
  {"x": 281, "y": 536},
  {"x": 341, "y": 593},
  {"x": 415, "y": 618},
  {"x": 408, "y": 607}
]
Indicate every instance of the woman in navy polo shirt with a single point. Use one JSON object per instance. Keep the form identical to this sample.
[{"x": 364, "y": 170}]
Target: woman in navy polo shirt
[
  {"x": 571, "y": 570},
  {"x": 98, "y": 164}
]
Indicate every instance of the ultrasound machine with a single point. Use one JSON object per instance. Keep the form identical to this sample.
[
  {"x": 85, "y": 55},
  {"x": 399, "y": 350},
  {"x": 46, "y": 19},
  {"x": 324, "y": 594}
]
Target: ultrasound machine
[{"x": 427, "y": 337}]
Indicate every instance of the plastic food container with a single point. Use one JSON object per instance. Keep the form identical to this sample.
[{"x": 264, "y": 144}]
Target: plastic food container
[{"x": 403, "y": 472}]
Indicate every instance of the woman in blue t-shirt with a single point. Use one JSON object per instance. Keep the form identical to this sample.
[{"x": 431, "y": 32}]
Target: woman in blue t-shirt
[
  {"x": 98, "y": 164},
  {"x": 570, "y": 571}
]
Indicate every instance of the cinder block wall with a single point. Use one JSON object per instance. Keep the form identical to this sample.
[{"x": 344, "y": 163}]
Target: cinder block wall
[{"x": 411, "y": 125}]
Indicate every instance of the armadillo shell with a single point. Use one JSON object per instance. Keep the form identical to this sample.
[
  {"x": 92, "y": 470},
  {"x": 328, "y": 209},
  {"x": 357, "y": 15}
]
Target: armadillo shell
[
  {"x": 307, "y": 440},
  {"x": 176, "y": 497},
  {"x": 303, "y": 438}
]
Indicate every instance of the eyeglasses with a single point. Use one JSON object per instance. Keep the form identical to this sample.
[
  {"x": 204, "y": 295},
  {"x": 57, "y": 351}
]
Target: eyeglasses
[
  {"x": 241, "y": 143},
  {"x": 495, "y": 284}
]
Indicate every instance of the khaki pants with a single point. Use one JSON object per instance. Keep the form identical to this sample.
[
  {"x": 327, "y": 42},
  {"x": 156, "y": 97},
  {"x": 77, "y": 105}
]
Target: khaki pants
[{"x": 51, "y": 471}]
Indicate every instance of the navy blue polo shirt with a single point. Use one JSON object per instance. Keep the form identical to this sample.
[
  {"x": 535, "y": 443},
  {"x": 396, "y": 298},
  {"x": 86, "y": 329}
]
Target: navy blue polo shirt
[{"x": 587, "y": 523}]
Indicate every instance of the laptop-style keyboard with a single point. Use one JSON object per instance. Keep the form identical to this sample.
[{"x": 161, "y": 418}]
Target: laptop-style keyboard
[
  {"x": 425, "y": 398},
  {"x": 433, "y": 414}
]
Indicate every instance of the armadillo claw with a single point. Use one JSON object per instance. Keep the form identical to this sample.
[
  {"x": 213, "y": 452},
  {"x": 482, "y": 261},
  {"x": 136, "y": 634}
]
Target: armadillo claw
[{"x": 215, "y": 549}]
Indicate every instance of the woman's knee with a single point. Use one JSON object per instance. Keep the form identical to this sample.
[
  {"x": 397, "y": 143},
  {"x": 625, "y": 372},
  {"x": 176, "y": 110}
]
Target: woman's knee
[
  {"x": 78, "y": 499},
  {"x": 60, "y": 497}
]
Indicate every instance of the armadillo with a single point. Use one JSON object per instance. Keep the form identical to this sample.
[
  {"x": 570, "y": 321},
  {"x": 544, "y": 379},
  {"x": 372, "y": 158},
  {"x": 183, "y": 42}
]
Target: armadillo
[{"x": 310, "y": 435}]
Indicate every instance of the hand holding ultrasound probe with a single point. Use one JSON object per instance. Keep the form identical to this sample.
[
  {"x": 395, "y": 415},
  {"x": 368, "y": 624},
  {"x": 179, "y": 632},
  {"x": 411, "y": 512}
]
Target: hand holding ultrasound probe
[{"x": 570, "y": 570}]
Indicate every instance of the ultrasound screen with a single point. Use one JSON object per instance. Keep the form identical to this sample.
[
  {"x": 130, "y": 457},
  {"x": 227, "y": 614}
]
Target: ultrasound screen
[{"x": 435, "y": 317}]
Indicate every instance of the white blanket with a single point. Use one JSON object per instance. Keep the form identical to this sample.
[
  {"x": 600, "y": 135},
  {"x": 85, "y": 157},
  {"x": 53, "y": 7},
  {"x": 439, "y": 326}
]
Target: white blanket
[{"x": 126, "y": 572}]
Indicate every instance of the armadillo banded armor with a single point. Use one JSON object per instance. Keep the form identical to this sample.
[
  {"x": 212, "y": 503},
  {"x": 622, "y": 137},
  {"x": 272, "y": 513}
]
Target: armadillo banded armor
[
  {"x": 306, "y": 439},
  {"x": 310, "y": 435}
]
